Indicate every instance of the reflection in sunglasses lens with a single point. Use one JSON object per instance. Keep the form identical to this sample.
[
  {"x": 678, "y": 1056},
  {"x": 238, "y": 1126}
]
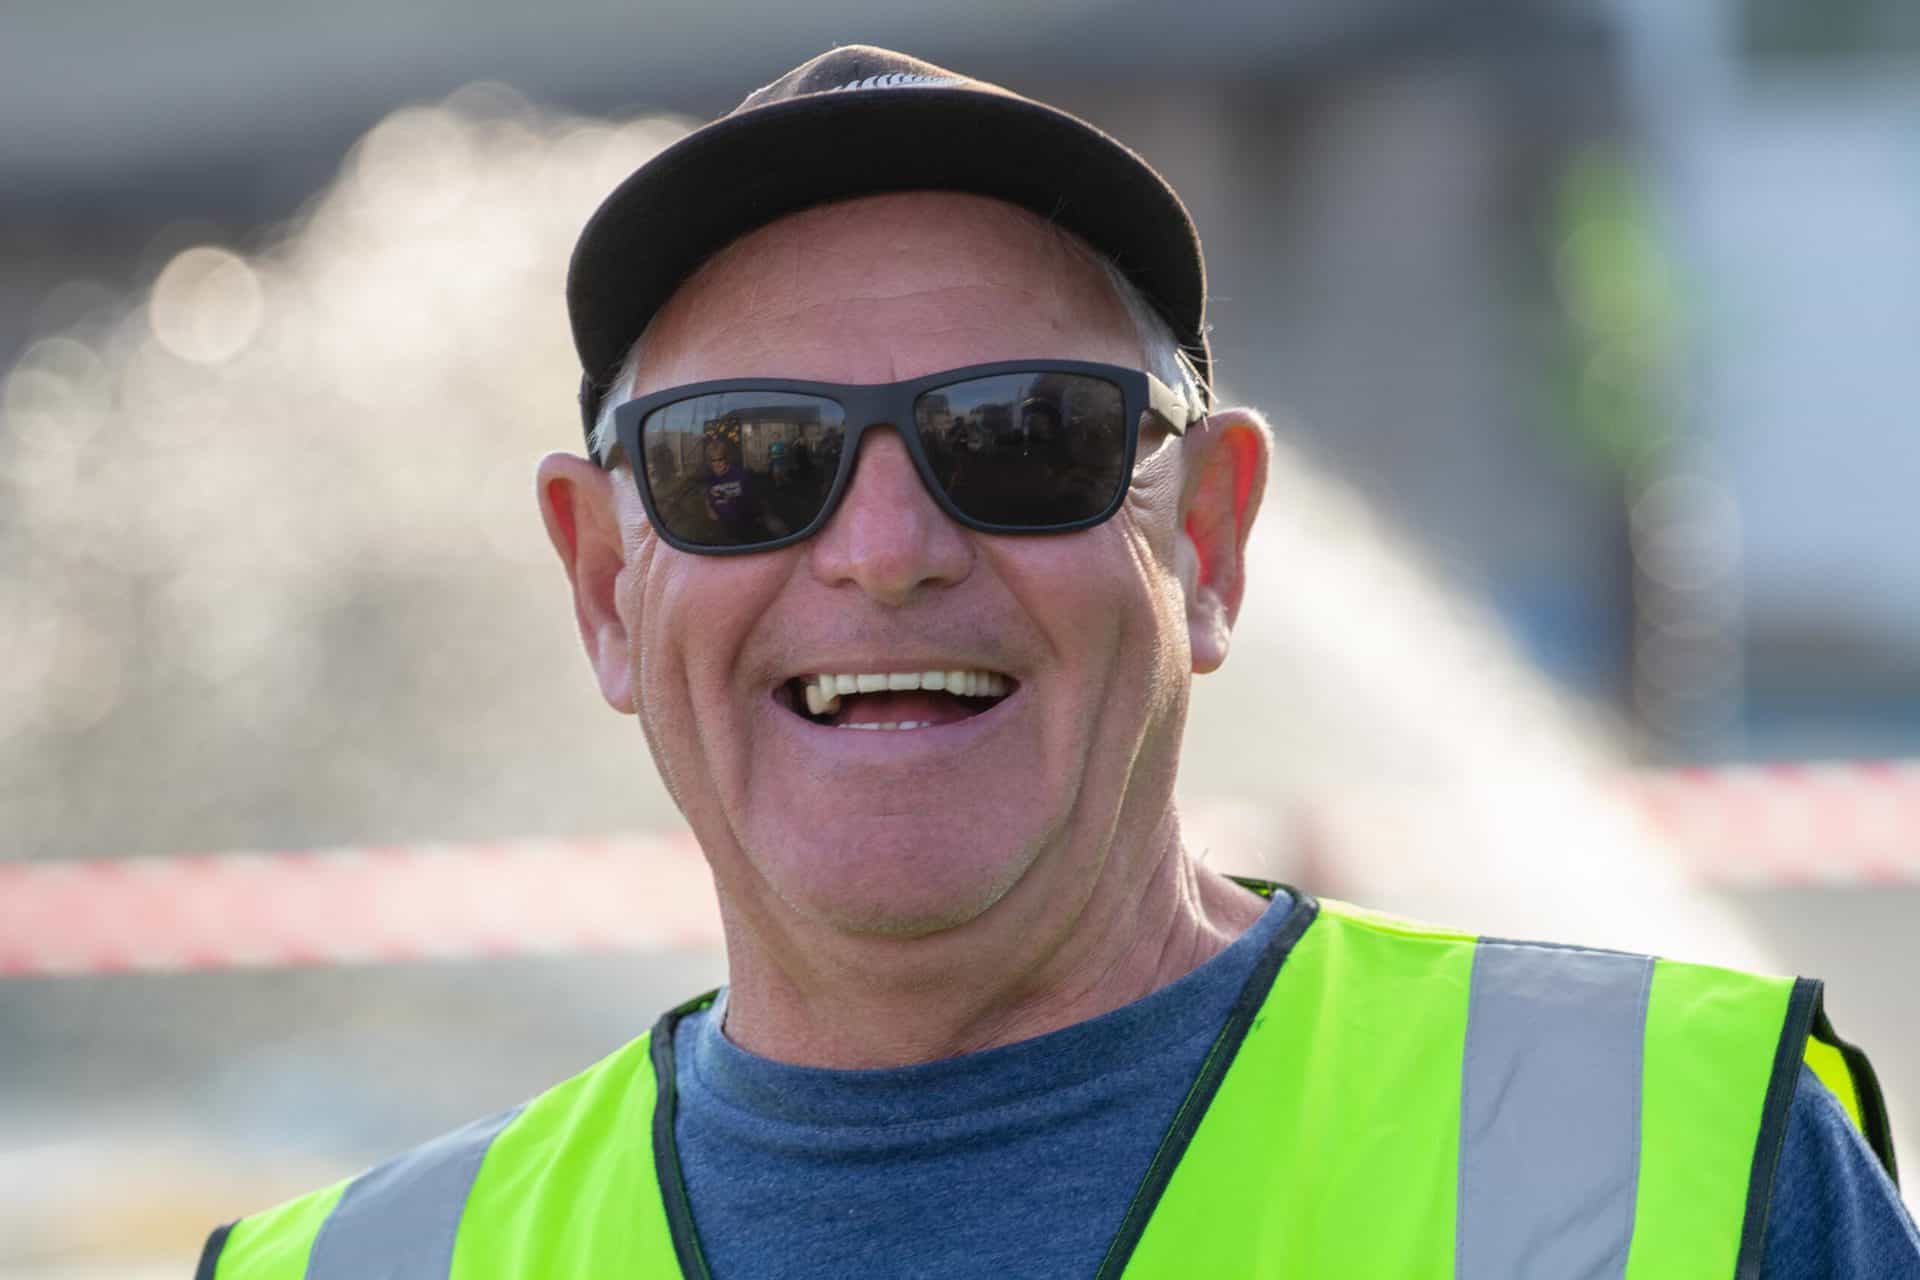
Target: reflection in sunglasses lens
[
  {"x": 1026, "y": 450},
  {"x": 1020, "y": 450},
  {"x": 741, "y": 467}
]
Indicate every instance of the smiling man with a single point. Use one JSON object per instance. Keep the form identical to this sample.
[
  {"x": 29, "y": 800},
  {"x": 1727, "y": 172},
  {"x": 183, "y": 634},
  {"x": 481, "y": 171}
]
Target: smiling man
[
  {"x": 1002, "y": 830},
  {"x": 906, "y": 522}
]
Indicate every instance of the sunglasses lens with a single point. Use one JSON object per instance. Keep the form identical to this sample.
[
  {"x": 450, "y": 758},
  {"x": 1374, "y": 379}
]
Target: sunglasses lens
[
  {"x": 1027, "y": 450},
  {"x": 740, "y": 468}
]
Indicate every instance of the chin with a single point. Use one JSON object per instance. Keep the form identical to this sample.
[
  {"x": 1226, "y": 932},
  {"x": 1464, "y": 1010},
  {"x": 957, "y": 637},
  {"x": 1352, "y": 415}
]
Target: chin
[{"x": 867, "y": 884}]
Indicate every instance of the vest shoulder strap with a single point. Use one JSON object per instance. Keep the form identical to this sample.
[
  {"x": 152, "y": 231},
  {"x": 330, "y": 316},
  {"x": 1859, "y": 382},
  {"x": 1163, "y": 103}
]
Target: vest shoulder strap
[
  {"x": 502, "y": 1197},
  {"x": 574, "y": 1186},
  {"x": 1416, "y": 1101}
]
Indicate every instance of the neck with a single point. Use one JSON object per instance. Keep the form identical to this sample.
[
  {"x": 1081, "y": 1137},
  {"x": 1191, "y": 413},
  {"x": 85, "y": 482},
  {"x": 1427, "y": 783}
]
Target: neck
[{"x": 852, "y": 1002}]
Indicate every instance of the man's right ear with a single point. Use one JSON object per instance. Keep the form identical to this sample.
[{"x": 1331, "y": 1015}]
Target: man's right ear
[{"x": 576, "y": 501}]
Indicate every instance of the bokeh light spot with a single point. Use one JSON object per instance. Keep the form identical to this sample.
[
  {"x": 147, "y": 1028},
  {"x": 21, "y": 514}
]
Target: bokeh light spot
[{"x": 207, "y": 305}]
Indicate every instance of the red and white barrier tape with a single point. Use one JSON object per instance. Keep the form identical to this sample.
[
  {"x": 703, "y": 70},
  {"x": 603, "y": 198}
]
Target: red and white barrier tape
[
  {"x": 1791, "y": 824},
  {"x": 1773, "y": 825},
  {"x": 352, "y": 906}
]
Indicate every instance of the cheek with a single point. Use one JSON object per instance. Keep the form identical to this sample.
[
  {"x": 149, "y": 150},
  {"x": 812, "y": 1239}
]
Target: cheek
[
  {"x": 692, "y": 617},
  {"x": 1111, "y": 608},
  {"x": 688, "y": 620}
]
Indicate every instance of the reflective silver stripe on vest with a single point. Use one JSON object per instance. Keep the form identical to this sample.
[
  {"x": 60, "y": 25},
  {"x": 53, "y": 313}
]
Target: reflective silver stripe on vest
[
  {"x": 1550, "y": 1111},
  {"x": 398, "y": 1221}
]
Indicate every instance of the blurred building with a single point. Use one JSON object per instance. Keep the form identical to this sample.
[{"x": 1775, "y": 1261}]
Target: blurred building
[{"x": 1781, "y": 137}]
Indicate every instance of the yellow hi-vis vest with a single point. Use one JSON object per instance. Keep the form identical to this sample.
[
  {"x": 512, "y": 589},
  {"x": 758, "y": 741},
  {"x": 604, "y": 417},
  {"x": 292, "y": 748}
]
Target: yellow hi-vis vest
[{"x": 1386, "y": 1099}]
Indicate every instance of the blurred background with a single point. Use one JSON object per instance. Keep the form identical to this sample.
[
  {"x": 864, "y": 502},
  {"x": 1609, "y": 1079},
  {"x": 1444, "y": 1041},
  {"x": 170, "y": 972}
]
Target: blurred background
[{"x": 1588, "y": 329}]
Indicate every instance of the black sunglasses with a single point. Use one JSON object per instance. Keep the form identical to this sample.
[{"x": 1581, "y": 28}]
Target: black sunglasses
[{"x": 1020, "y": 446}]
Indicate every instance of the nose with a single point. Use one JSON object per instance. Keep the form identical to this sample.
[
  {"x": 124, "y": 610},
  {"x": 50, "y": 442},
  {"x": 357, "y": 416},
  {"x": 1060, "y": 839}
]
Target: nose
[{"x": 888, "y": 537}]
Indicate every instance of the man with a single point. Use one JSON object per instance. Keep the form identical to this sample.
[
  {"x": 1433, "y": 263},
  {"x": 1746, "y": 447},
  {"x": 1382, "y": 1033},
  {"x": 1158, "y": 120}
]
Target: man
[{"x": 986, "y": 1014}]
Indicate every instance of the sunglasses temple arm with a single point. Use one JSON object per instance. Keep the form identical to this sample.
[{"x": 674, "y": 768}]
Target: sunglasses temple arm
[
  {"x": 1173, "y": 408},
  {"x": 589, "y": 414}
]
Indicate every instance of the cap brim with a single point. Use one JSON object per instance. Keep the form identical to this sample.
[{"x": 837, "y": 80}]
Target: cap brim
[{"x": 746, "y": 170}]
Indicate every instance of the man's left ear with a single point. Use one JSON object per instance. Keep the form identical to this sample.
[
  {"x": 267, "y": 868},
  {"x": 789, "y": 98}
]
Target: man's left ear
[{"x": 1226, "y": 473}]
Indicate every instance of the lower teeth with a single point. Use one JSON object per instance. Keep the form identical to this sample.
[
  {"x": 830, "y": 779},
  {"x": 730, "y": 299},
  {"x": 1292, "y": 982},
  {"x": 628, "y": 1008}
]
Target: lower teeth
[{"x": 891, "y": 724}]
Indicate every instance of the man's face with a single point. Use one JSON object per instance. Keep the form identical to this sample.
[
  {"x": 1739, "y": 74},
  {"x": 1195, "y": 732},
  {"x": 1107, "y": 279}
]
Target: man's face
[{"x": 1020, "y": 802}]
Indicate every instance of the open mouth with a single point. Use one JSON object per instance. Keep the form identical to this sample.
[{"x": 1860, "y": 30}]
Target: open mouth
[{"x": 893, "y": 700}]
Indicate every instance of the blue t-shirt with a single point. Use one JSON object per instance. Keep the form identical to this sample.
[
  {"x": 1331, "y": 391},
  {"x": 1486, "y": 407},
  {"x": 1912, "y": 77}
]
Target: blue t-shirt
[{"x": 1021, "y": 1160}]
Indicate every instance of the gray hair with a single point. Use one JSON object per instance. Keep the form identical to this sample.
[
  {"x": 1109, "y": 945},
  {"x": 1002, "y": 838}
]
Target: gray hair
[{"x": 1165, "y": 359}]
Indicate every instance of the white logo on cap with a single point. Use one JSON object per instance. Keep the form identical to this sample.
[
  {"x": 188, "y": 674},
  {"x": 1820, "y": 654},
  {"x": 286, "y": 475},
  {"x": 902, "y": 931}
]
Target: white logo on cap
[{"x": 897, "y": 80}]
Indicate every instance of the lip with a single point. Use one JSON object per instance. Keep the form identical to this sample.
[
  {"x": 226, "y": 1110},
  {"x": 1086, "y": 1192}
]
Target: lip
[{"x": 879, "y": 745}]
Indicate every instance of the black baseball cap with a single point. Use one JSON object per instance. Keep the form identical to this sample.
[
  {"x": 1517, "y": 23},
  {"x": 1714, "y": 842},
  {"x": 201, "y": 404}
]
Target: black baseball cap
[{"x": 859, "y": 120}]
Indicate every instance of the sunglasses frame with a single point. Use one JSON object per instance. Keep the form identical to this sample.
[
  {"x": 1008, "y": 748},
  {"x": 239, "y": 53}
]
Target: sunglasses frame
[{"x": 891, "y": 404}]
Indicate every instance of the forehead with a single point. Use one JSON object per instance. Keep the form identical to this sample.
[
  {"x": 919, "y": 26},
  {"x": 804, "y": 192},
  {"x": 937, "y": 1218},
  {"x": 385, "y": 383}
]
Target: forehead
[{"x": 886, "y": 288}]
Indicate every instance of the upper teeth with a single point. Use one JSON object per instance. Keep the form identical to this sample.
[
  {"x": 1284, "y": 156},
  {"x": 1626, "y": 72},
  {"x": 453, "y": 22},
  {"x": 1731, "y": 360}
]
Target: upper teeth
[{"x": 823, "y": 691}]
